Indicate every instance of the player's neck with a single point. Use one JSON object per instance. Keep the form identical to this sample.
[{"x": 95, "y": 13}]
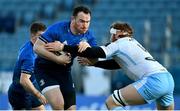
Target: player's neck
[{"x": 72, "y": 29}]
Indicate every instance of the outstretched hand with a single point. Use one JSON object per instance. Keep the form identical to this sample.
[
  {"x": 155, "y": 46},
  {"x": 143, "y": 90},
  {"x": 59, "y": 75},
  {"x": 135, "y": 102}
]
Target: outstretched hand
[
  {"x": 54, "y": 46},
  {"x": 87, "y": 61},
  {"x": 64, "y": 59},
  {"x": 83, "y": 46}
]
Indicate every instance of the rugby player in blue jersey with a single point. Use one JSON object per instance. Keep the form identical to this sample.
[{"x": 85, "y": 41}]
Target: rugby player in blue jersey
[
  {"x": 24, "y": 92},
  {"x": 53, "y": 69},
  {"x": 152, "y": 81}
]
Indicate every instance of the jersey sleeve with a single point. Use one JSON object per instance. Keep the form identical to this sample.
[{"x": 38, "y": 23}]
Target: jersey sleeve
[
  {"x": 93, "y": 52},
  {"x": 49, "y": 35},
  {"x": 110, "y": 49},
  {"x": 27, "y": 66},
  {"x": 107, "y": 64}
]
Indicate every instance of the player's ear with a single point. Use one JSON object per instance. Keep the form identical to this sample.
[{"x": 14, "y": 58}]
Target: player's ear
[
  {"x": 32, "y": 35},
  {"x": 72, "y": 18}
]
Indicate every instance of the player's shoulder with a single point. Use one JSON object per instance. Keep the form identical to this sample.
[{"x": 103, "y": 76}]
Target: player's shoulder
[
  {"x": 27, "y": 46},
  {"x": 26, "y": 50},
  {"x": 126, "y": 40},
  {"x": 123, "y": 42}
]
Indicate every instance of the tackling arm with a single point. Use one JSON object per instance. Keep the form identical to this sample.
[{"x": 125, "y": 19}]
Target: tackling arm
[
  {"x": 107, "y": 64},
  {"x": 91, "y": 52}
]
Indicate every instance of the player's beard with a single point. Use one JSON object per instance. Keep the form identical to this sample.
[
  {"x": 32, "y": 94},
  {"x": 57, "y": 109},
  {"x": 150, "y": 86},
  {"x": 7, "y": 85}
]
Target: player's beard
[{"x": 81, "y": 30}]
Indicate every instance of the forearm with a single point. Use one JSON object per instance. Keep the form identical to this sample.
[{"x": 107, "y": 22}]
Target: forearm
[
  {"x": 107, "y": 64},
  {"x": 29, "y": 87},
  {"x": 93, "y": 52},
  {"x": 42, "y": 52}
]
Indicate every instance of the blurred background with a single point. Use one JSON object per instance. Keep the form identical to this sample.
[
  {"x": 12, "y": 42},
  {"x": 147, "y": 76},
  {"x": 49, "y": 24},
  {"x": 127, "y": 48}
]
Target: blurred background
[{"x": 156, "y": 26}]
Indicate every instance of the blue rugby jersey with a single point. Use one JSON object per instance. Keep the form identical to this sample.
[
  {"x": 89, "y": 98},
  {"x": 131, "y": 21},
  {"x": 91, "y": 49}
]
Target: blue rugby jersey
[
  {"x": 61, "y": 32},
  {"x": 24, "y": 64}
]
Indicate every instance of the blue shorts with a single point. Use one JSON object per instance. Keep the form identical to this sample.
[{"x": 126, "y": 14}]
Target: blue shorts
[
  {"x": 22, "y": 100},
  {"x": 62, "y": 78},
  {"x": 156, "y": 87},
  {"x": 47, "y": 78}
]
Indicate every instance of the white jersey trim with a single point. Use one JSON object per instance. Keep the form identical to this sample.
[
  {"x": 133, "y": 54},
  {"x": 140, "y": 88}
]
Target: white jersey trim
[{"x": 49, "y": 88}]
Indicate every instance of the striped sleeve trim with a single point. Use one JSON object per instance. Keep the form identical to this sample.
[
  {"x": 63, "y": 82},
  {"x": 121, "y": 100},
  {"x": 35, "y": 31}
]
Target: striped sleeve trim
[
  {"x": 43, "y": 39},
  {"x": 27, "y": 72}
]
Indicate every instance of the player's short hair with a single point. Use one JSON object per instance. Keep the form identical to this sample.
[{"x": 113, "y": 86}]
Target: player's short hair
[
  {"x": 37, "y": 26},
  {"x": 123, "y": 26},
  {"x": 81, "y": 8}
]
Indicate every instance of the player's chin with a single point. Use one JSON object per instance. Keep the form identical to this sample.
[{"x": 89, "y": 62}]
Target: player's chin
[{"x": 83, "y": 31}]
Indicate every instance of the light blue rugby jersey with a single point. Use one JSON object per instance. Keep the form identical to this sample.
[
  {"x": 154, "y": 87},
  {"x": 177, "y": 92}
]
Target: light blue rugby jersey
[{"x": 133, "y": 58}]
